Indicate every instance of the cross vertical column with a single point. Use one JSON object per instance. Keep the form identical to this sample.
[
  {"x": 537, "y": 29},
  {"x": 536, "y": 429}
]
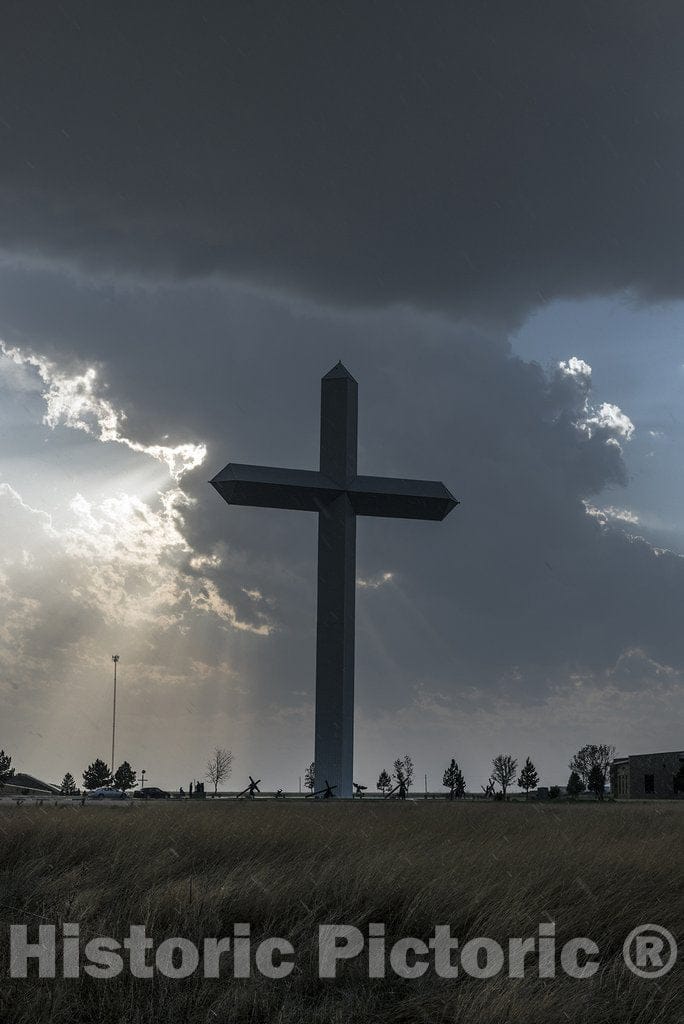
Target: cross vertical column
[
  {"x": 338, "y": 495},
  {"x": 334, "y": 744}
]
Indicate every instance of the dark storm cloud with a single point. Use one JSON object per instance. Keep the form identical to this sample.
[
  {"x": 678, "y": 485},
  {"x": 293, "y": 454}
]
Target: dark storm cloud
[{"x": 478, "y": 157}]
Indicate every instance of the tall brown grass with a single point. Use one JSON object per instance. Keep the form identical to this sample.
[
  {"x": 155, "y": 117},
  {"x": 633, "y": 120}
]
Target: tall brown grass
[{"x": 193, "y": 869}]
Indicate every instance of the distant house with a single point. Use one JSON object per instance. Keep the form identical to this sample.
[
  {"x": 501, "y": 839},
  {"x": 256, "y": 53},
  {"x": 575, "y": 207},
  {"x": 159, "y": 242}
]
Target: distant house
[
  {"x": 648, "y": 776},
  {"x": 22, "y": 783}
]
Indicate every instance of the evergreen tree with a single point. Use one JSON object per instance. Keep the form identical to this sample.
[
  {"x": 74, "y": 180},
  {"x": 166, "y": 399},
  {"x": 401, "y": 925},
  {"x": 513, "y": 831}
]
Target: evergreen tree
[
  {"x": 460, "y": 787},
  {"x": 97, "y": 774},
  {"x": 454, "y": 781},
  {"x": 529, "y": 779},
  {"x": 597, "y": 781},
  {"x": 68, "y": 786},
  {"x": 504, "y": 771},
  {"x": 384, "y": 782},
  {"x": 6, "y": 769},
  {"x": 575, "y": 786},
  {"x": 124, "y": 777},
  {"x": 310, "y": 777}
]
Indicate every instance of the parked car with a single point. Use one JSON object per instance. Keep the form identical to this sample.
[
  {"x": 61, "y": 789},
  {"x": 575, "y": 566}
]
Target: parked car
[
  {"x": 151, "y": 793},
  {"x": 107, "y": 793}
]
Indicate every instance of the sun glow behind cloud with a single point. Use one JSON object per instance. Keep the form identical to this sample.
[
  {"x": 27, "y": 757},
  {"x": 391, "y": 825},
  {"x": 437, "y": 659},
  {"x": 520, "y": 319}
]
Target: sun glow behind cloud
[
  {"x": 75, "y": 401},
  {"x": 124, "y": 554}
]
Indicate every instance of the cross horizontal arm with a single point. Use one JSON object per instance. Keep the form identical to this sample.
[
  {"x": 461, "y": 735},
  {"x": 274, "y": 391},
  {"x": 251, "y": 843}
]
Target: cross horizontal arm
[
  {"x": 301, "y": 489},
  {"x": 400, "y": 499}
]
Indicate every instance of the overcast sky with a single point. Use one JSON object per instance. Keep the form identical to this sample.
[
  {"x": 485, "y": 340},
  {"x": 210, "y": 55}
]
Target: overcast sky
[{"x": 479, "y": 209}]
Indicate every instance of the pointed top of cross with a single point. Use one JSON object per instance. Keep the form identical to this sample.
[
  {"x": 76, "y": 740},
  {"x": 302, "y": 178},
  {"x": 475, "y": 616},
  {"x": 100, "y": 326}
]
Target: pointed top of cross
[{"x": 339, "y": 371}]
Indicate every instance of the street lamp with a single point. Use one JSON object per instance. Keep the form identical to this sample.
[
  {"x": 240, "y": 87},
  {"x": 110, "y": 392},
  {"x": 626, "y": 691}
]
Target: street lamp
[
  {"x": 115, "y": 659},
  {"x": 142, "y": 780}
]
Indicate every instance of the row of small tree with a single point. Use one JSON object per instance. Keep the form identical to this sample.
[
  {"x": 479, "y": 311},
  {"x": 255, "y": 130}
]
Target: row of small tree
[
  {"x": 96, "y": 774},
  {"x": 99, "y": 774},
  {"x": 588, "y": 772},
  {"x": 403, "y": 772},
  {"x": 218, "y": 769},
  {"x": 504, "y": 771}
]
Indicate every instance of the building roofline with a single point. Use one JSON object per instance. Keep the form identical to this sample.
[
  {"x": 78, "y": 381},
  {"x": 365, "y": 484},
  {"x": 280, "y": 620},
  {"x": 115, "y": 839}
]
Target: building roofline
[{"x": 650, "y": 753}]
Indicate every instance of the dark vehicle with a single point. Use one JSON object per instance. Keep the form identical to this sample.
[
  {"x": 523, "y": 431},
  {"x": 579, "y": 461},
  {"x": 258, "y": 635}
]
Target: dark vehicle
[{"x": 151, "y": 793}]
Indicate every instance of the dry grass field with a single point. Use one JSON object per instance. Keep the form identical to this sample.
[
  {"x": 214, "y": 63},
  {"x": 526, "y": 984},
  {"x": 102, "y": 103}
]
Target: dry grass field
[{"x": 193, "y": 870}]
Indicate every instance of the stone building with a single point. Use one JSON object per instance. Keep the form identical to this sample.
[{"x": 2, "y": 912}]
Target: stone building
[{"x": 648, "y": 776}]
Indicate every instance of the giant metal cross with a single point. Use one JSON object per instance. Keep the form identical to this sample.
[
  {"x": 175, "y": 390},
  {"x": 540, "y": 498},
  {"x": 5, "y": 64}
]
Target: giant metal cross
[{"x": 339, "y": 496}]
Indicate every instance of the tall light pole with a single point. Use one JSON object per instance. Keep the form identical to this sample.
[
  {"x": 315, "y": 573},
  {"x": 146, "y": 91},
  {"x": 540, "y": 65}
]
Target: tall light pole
[{"x": 115, "y": 659}]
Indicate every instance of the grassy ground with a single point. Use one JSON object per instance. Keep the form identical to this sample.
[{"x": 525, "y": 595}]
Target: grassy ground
[{"x": 193, "y": 869}]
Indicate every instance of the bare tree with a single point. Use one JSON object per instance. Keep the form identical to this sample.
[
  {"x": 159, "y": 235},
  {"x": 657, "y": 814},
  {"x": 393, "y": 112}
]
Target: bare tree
[
  {"x": 219, "y": 767},
  {"x": 504, "y": 768},
  {"x": 408, "y": 770},
  {"x": 310, "y": 777},
  {"x": 404, "y": 770}
]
